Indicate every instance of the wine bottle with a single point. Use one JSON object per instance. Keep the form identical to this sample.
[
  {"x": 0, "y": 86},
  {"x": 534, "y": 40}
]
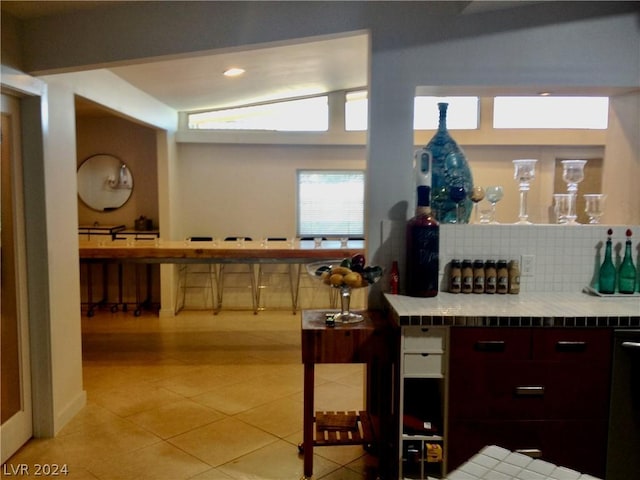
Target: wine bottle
[
  {"x": 607, "y": 280},
  {"x": 423, "y": 245},
  {"x": 627, "y": 272}
]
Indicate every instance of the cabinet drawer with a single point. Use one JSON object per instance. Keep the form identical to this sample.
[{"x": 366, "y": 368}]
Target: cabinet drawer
[
  {"x": 496, "y": 389},
  {"x": 577, "y": 390},
  {"x": 479, "y": 344},
  {"x": 423, "y": 364},
  {"x": 572, "y": 344},
  {"x": 424, "y": 339}
]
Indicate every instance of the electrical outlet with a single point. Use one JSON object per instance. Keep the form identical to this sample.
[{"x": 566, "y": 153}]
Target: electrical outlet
[{"x": 527, "y": 265}]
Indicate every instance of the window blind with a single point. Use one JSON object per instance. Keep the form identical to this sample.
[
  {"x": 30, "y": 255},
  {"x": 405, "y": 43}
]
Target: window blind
[{"x": 330, "y": 203}]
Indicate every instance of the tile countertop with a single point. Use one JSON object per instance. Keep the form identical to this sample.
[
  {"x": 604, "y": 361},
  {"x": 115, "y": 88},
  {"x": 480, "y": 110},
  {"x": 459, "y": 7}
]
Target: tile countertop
[
  {"x": 525, "y": 309},
  {"x": 497, "y": 463}
]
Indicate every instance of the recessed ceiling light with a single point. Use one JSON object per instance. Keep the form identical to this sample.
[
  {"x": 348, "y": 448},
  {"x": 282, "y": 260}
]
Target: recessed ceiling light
[
  {"x": 545, "y": 94},
  {"x": 233, "y": 72}
]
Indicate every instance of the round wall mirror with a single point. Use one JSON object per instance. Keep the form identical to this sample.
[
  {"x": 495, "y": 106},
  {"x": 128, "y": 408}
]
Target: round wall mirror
[{"x": 104, "y": 182}]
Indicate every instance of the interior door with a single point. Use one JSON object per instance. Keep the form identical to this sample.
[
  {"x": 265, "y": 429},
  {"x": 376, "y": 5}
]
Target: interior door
[{"x": 16, "y": 422}]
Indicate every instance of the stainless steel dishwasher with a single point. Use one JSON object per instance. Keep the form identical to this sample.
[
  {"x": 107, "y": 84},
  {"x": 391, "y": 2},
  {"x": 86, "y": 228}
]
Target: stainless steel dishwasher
[{"x": 623, "y": 459}]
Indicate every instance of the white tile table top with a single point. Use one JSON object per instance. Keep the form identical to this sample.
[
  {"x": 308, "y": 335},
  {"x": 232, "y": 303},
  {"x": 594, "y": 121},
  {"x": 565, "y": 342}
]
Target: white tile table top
[{"x": 497, "y": 463}]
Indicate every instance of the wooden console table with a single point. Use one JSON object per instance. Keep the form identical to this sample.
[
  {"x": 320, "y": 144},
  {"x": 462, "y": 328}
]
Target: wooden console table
[{"x": 373, "y": 342}]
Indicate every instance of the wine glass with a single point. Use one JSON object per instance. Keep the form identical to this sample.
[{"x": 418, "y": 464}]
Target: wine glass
[
  {"x": 594, "y": 206},
  {"x": 457, "y": 194},
  {"x": 573, "y": 174},
  {"x": 494, "y": 194},
  {"x": 524, "y": 172},
  {"x": 562, "y": 208},
  {"x": 476, "y": 195}
]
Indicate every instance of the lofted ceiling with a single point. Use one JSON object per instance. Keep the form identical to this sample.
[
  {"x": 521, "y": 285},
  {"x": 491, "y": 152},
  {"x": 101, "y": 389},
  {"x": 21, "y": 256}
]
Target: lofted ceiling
[
  {"x": 272, "y": 73},
  {"x": 308, "y": 67}
]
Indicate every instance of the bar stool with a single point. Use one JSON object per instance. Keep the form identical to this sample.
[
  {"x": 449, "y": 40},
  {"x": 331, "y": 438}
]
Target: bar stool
[
  {"x": 245, "y": 269},
  {"x": 197, "y": 277},
  {"x": 302, "y": 268},
  {"x": 266, "y": 273}
]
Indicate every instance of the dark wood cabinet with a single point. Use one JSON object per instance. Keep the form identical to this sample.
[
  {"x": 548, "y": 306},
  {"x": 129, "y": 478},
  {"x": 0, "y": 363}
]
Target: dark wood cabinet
[{"x": 544, "y": 391}]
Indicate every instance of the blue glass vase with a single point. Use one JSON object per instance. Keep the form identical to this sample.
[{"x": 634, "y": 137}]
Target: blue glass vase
[{"x": 450, "y": 174}]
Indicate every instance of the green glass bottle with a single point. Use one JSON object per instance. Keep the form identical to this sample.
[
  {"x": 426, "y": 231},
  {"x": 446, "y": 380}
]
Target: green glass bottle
[
  {"x": 627, "y": 272},
  {"x": 607, "y": 280}
]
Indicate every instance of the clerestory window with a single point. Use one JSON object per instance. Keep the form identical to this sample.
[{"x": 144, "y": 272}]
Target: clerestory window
[{"x": 301, "y": 115}]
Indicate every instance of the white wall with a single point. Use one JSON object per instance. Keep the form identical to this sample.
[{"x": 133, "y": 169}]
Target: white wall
[
  {"x": 135, "y": 145},
  {"x": 230, "y": 190},
  {"x": 60, "y": 216},
  {"x": 251, "y": 190}
]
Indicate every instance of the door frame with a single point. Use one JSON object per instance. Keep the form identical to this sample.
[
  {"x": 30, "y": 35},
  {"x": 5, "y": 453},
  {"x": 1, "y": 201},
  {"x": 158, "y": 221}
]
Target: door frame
[{"x": 18, "y": 429}]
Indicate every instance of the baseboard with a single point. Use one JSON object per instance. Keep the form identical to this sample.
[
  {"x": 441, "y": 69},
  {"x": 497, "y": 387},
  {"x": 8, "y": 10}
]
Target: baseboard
[{"x": 71, "y": 410}]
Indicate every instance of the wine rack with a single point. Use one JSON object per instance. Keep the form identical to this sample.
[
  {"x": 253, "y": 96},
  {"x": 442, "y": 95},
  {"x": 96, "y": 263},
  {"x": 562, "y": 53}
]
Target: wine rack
[{"x": 423, "y": 386}]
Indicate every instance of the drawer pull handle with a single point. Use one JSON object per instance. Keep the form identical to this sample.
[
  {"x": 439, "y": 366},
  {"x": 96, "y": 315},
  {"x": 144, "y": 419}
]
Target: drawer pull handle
[
  {"x": 490, "y": 346},
  {"x": 530, "y": 452},
  {"x": 631, "y": 345},
  {"x": 530, "y": 391},
  {"x": 565, "y": 346}
]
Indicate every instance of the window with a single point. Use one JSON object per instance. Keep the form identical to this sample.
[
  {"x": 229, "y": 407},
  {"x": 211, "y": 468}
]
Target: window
[
  {"x": 330, "y": 203},
  {"x": 306, "y": 114},
  {"x": 356, "y": 111},
  {"x": 551, "y": 112},
  {"x": 462, "y": 113}
]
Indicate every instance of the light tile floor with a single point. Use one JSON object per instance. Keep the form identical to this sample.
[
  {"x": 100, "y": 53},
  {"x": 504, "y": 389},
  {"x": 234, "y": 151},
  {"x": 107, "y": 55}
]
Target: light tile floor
[{"x": 199, "y": 397}]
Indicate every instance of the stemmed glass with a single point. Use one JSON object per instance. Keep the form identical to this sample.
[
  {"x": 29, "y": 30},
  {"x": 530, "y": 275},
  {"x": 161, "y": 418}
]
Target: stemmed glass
[
  {"x": 594, "y": 206},
  {"x": 562, "y": 207},
  {"x": 494, "y": 194},
  {"x": 524, "y": 172},
  {"x": 572, "y": 174},
  {"x": 457, "y": 194},
  {"x": 476, "y": 195}
]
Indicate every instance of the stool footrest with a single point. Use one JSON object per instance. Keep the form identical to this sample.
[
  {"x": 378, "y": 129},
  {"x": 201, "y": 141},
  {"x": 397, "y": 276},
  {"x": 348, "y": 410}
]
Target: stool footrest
[{"x": 343, "y": 428}]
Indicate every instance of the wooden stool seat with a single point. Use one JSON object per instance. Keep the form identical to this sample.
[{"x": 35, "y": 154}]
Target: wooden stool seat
[{"x": 343, "y": 428}]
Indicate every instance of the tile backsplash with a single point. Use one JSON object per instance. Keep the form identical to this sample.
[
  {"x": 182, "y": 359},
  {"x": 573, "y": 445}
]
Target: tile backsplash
[{"x": 566, "y": 257}]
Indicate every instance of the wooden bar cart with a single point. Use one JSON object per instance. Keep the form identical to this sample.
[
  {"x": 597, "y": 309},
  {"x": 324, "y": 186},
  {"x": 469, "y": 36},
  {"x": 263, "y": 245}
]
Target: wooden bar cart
[{"x": 373, "y": 342}]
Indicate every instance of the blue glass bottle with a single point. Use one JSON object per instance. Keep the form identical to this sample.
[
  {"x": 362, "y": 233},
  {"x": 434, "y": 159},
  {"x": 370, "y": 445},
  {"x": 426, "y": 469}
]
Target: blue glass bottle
[{"x": 449, "y": 173}]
